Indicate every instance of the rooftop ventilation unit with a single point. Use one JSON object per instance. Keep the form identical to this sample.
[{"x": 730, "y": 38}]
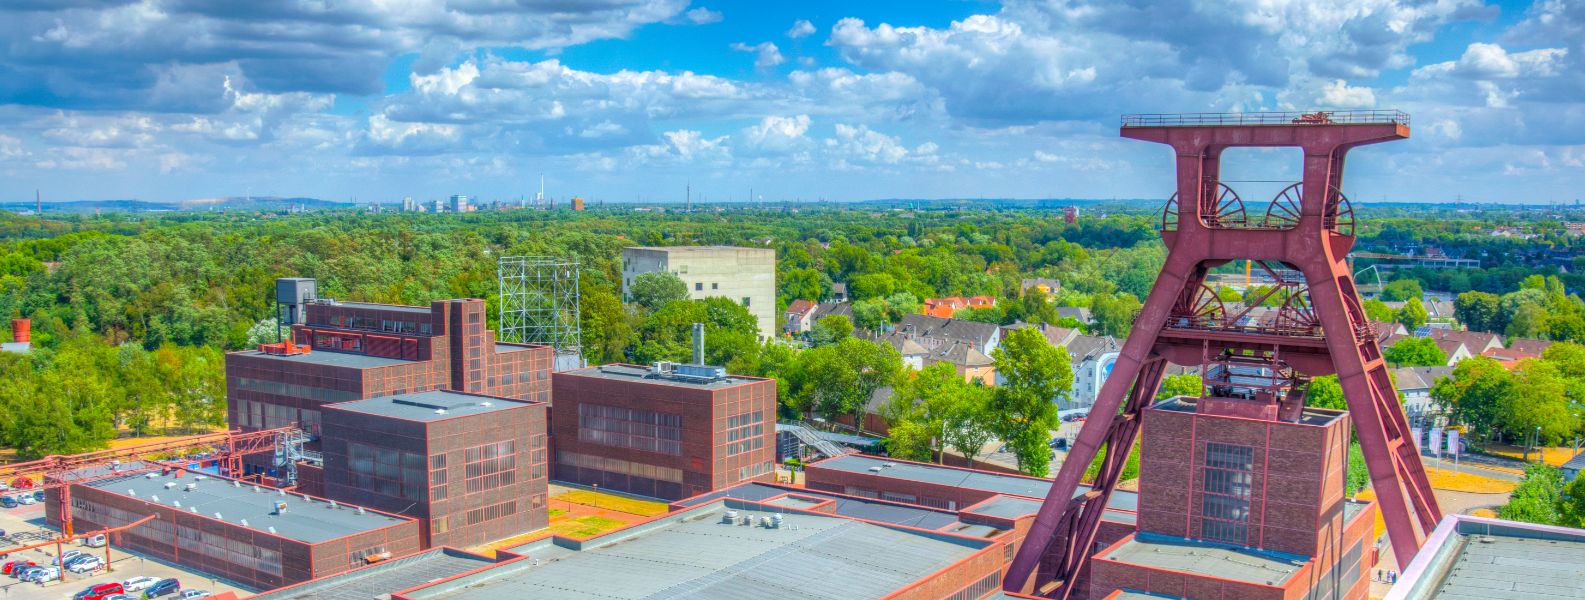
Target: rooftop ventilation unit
[
  {"x": 256, "y": 489},
  {"x": 218, "y": 517},
  {"x": 272, "y": 530},
  {"x": 244, "y": 522},
  {"x": 193, "y": 509},
  {"x": 485, "y": 404},
  {"x": 151, "y": 475},
  {"x": 131, "y": 493},
  {"x": 192, "y": 486},
  {"x": 730, "y": 517},
  {"x": 360, "y": 510},
  {"x": 170, "y": 484},
  {"x": 236, "y": 484},
  {"x": 154, "y": 498},
  {"x": 176, "y": 503},
  {"x": 440, "y": 411},
  {"x": 332, "y": 504},
  {"x": 199, "y": 478}
]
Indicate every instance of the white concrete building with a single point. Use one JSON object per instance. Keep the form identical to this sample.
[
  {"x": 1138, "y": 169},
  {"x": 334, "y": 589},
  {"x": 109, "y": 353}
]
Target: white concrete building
[{"x": 744, "y": 275}]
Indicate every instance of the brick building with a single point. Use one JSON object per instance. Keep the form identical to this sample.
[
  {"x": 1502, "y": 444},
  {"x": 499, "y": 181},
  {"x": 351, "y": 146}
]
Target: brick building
[
  {"x": 234, "y": 531},
  {"x": 667, "y": 435},
  {"x": 472, "y": 467},
  {"x": 358, "y": 350},
  {"x": 1259, "y": 502}
]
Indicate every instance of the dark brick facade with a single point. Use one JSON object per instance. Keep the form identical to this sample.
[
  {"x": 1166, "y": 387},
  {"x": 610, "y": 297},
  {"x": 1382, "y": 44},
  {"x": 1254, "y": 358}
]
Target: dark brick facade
[
  {"x": 444, "y": 505},
  {"x": 704, "y": 462},
  {"x": 300, "y": 561}
]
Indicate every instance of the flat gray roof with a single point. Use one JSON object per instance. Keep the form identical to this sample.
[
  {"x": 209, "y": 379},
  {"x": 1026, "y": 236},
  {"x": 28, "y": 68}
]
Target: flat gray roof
[
  {"x": 642, "y": 374},
  {"x": 384, "y": 577},
  {"x": 694, "y": 555},
  {"x": 332, "y": 358},
  {"x": 1227, "y": 561},
  {"x": 310, "y": 522},
  {"x": 1500, "y": 567},
  {"x": 503, "y": 347},
  {"x": 395, "y": 307},
  {"x": 1008, "y": 507},
  {"x": 422, "y": 406},
  {"x": 857, "y": 508},
  {"x": 696, "y": 248},
  {"x": 978, "y": 480}
]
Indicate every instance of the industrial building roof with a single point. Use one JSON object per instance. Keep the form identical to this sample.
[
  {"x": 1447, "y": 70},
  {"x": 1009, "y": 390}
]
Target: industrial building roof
[
  {"x": 696, "y": 555},
  {"x": 393, "y": 307},
  {"x": 384, "y": 577},
  {"x": 331, "y": 358},
  {"x": 1226, "y": 561},
  {"x": 979, "y": 480},
  {"x": 433, "y": 405},
  {"x": 502, "y": 347},
  {"x": 845, "y": 506},
  {"x": 695, "y": 248},
  {"x": 1311, "y": 416},
  {"x": 1475, "y": 558},
  {"x": 637, "y": 373},
  {"x": 307, "y": 521},
  {"x": 1007, "y": 507}
]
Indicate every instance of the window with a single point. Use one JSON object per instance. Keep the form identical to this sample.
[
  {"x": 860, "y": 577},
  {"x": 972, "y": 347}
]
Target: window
[
  {"x": 715, "y": 286},
  {"x": 754, "y": 470},
  {"x": 745, "y": 432},
  {"x": 492, "y": 512},
  {"x": 745, "y": 301},
  {"x": 292, "y": 389},
  {"x": 629, "y": 428},
  {"x": 425, "y": 328},
  {"x": 389, "y": 472},
  {"x": 698, "y": 287},
  {"x": 684, "y": 269},
  {"x": 979, "y": 588},
  {"x": 489, "y": 466},
  {"x": 439, "y": 525},
  {"x": 356, "y": 558},
  {"x": 1224, "y": 509},
  {"x": 600, "y": 463},
  {"x": 186, "y": 538}
]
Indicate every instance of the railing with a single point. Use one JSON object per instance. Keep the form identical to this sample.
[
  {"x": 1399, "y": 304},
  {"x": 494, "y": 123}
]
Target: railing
[{"x": 1339, "y": 117}]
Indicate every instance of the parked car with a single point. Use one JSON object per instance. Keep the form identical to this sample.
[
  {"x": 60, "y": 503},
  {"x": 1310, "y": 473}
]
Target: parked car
[
  {"x": 119, "y": 597},
  {"x": 98, "y": 592},
  {"x": 39, "y": 495},
  {"x": 4, "y": 486},
  {"x": 138, "y": 584},
  {"x": 11, "y": 567},
  {"x": 8, "y": 502},
  {"x": 163, "y": 587},
  {"x": 27, "y": 499},
  {"x": 97, "y": 541},
  {"x": 23, "y": 573},
  {"x": 65, "y": 556},
  {"x": 1059, "y": 443},
  {"x": 194, "y": 594},
  {"x": 85, "y": 565},
  {"x": 42, "y": 574},
  {"x": 21, "y": 483}
]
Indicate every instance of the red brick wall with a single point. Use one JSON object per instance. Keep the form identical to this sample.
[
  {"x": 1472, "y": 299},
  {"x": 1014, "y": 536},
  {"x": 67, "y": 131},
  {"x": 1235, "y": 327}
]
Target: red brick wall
[
  {"x": 953, "y": 578},
  {"x": 1110, "y": 576},
  {"x": 333, "y": 557},
  {"x": 832, "y": 480}
]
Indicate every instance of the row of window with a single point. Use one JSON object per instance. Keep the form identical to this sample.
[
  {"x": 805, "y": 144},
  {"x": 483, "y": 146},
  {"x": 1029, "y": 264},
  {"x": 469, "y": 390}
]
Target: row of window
[
  {"x": 903, "y": 498},
  {"x": 292, "y": 389},
  {"x": 336, "y": 342},
  {"x": 381, "y": 325},
  {"x": 586, "y": 461},
  {"x": 755, "y": 470},
  {"x": 489, "y": 466},
  {"x": 630, "y": 428},
  {"x": 185, "y": 538},
  {"x": 356, "y": 559},
  {"x": 1225, "y": 506},
  {"x": 274, "y": 416},
  {"x": 746, "y": 445},
  {"x": 745, "y": 432},
  {"x": 984, "y": 586},
  {"x": 492, "y": 512},
  {"x": 388, "y": 472}
]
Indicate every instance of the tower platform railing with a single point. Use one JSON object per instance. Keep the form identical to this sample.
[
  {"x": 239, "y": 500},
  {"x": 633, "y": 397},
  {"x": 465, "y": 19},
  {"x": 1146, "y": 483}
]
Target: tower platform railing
[{"x": 1314, "y": 117}]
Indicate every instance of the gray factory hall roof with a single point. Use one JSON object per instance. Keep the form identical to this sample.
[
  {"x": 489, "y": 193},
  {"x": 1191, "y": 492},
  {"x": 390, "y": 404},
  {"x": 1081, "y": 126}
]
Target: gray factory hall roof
[
  {"x": 858, "y": 508},
  {"x": 1263, "y": 567},
  {"x": 331, "y": 358},
  {"x": 391, "y": 307},
  {"x": 635, "y": 373},
  {"x": 383, "y": 577},
  {"x": 978, "y": 480},
  {"x": 433, "y": 405},
  {"x": 310, "y": 522},
  {"x": 1513, "y": 568},
  {"x": 695, "y": 555}
]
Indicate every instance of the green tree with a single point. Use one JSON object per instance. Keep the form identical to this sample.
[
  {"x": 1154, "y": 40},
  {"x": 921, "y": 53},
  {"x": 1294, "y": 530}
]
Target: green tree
[
  {"x": 1479, "y": 311},
  {"x": 1377, "y": 310},
  {"x": 869, "y": 314},
  {"x": 829, "y": 330},
  {"x": 1402, "y": 290},
  {"x": 1187, "y": 384},
  {"x": 1130, "y": 466},
  {"x": 1325, "y": 392},
  {"x": 655, "y": 289},
  {"x": 1565, "y": 328},
  {"x": 942, "y": 403},
  {"x": 1528, "y": 321},
  {"x": 1538, "y": 399},
  {"x": 971, "y": 423},
  {"x": 1416, "y": 352},
  {"x": 1114, "y": 315},
  {"x": 844, "y": 376},
  {"x": 1412, "y": 315},
  {"x": 1537, "y": 498},
  {"x": 1358, "y": 471},
  {"x": 1571, "y": 512},
  {"x": 1035, "y": 373},
  {"x": 1476, "y": 394}
]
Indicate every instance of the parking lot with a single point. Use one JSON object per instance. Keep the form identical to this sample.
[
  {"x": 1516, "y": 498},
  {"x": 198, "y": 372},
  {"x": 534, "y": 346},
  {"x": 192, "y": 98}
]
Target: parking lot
[{"x": 25, "y": 524}]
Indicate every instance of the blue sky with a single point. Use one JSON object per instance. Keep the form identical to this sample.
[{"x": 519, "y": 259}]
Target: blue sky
[{"x": 635, "y": 99}]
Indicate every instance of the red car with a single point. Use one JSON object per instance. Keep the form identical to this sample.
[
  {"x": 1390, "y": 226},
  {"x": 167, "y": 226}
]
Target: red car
[
  {"x": 98, "y": 592},
  {"x": 10, "y": 566},
  {"x": 21, "y": 483}
]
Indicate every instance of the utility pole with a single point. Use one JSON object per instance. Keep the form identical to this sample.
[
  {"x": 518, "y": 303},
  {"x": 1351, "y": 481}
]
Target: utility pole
[{"x": 687, "y": 205}]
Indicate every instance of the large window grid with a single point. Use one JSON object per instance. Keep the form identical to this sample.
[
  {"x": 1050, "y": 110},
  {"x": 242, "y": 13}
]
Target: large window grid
[
  {"x": 438, "y": 490},
  {"x": 600, "y": 463},
  {"x": 745, "y": 432},
  {"x": 292, "y": 389},
  {"x": 1224, "y": 510},
  {"x": 630, "y": 428},
  {"x": 984, "y": 586},
  {"x": 388, "y": 472},
  {"x": 489, "y": 466},
  {"x": 492, "y": 512},
  {"x": 338, "y": 342}
]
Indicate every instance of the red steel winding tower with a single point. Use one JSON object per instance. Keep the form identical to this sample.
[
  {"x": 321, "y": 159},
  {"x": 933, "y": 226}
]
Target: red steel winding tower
[{"x": 1250, "y": 369}]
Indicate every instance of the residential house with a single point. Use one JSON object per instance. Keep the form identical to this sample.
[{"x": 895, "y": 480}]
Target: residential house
[
  {"x": 1477, "y": 341},
  {"x": 1049, "y": 287},
  {"x": 839, "y": 292},
  {"x": 972, "y": 365},
  {"x": 799, "y": 316},
  {"x": 1572, "y": 468},
  {"x": 913, "y": 354},
  {"x": 933, "y": 333},
  {"x": 1387, "y": 329},
  {"x": 945, "y": 307},
  {"x": 1536, "y": 347},
  {"x": 1415, "y": 384},
  {"x": 1056, "y": 336},
  {"x": 1509, "y": 355},
  {"x": 1078, "y": 312},
  {"x": 826, "y": 309},
  {"x": 1093, "y": 358}
]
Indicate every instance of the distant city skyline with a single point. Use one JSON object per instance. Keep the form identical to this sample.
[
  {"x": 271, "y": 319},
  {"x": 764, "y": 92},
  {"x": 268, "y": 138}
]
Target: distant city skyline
[{"x": 640, "y": 99}]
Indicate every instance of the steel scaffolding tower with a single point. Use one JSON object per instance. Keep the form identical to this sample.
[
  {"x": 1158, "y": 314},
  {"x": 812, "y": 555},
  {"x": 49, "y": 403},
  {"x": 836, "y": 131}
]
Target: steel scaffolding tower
[{"x": 539, "y": 302}]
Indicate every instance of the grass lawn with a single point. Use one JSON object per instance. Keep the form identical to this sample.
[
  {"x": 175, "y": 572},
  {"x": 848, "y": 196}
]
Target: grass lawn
[
  {"x": 584, "y": 527},
  {"x": 1553, "y": 456},
  {"x": 556, "y": 512},
  {"x": 642, "y": 508},
  {"x": 1464, "y": 482}
]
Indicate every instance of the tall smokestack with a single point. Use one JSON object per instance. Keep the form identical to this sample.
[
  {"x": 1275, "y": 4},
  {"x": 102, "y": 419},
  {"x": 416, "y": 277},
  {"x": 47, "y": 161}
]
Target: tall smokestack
[
  {"x": 698, "y": 343},
  {"x": 20, "y": 330}
]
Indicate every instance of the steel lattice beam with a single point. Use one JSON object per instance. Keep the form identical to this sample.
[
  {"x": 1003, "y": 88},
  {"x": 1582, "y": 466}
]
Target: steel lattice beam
[
  {"x": 539, "y": 302},
  {"x": 1174, "y": 326}
]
